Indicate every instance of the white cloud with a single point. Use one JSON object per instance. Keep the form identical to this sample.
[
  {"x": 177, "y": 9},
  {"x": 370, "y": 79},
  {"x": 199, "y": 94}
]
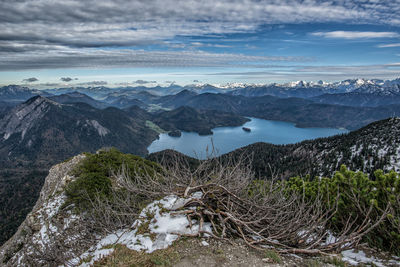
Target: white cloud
[
  {"x": 94, "y": 83},
  {"x": 389, "y": 45},
  {"x": 356, "y": 34},
  {"x": 329, "y": 73}
]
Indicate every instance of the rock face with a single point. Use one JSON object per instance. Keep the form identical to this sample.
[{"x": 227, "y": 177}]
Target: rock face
[{"x": 47, "y": 226}]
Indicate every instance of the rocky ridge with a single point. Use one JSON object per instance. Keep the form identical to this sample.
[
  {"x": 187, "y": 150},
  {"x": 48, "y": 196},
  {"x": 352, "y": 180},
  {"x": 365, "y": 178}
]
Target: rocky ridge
[{"x": 38, "y": 238}]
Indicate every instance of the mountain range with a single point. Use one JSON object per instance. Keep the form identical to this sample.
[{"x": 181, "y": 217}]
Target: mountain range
[
  {"x": 40, "y": 128},
  {"x": 301, "y": 89}
]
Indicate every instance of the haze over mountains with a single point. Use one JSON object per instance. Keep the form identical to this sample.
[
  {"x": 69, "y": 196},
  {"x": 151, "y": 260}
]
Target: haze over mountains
[{"x": 299, "y": 89}]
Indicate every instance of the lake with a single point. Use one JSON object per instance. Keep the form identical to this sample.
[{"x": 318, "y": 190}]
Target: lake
[{"x": 226, "y": 139}]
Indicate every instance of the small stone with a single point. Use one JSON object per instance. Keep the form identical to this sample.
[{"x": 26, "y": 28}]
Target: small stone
[
  {"x": 267, "y": 260},
  {"x": 204, "y": 243}
]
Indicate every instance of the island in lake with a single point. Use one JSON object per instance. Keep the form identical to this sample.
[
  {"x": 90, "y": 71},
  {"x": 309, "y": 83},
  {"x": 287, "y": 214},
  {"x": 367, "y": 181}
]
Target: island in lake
[
  {"x": 246, "y": 129},
  {"x": 175, "y": 133}
]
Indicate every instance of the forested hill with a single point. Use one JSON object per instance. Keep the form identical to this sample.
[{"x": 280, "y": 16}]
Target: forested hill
[
  {"x": 302, "y": 112},
  {"x": 375, "y": 146}
]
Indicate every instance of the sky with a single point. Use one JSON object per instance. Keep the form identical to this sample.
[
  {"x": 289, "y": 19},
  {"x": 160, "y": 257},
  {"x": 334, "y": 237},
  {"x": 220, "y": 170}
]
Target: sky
[{"x": 50, "y": 43}]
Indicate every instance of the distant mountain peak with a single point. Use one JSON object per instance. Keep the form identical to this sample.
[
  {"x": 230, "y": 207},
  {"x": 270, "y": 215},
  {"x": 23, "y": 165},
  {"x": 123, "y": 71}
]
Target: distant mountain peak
[
  {"x": 21, "y": 118},
  {"x": 17, "y": 93},
  {"x": 186, "y": 92},
  {"x": 38, "y": 100}
]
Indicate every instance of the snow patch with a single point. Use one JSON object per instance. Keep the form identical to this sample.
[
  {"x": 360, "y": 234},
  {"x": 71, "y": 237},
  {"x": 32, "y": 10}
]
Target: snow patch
[
  {"x": 164, "y": 225},
  {"x": 6, "y": 136},
  {"x": 356, "y": 257},
  {"x": 204, "y": 243}
]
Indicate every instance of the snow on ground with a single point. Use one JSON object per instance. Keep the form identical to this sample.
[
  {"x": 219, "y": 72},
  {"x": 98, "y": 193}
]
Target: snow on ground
[
  {"x": 354, "y": 257},
  {"x": 395, "y": 160},
  {"x": 158, "y": 226},
  {"x": 44, "y": 215}
]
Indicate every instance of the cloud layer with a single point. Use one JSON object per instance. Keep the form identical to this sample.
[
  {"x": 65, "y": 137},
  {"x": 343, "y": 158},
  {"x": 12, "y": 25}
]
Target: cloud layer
[
  {"x": 94, "y": 58},
  {"x": 90, "y": 33}
]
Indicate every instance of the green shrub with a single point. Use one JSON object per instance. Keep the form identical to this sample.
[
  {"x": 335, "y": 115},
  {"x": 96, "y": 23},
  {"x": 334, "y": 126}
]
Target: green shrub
[
  {"x": 346, "y": 185},
  {"x": 95, "y": 175}
]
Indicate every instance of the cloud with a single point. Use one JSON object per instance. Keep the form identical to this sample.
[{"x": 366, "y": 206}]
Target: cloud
[
  {"x": 50, "y": 84},
  {"x": 95, "y": 58},
  {"x": 30, "y": 80},
  {"x": 144, "y": 82},
  {"x": 389, "y": 45},
  {"x": 67, "y": 79},
  {"x": 355, "y": 34},
  {"x": 329, "y": 73},
  {"x": 95, "y": 83},
  {"x": 59, "y": 34},
  {"x": 200, "y": 44},
  {"x": 196, "y": 81}
]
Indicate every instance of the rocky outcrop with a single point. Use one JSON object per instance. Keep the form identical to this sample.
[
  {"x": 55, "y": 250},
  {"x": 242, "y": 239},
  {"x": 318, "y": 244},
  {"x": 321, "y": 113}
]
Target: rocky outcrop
[{"x": 47, "y": 229}]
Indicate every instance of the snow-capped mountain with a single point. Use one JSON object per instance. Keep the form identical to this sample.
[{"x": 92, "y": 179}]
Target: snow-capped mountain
[
  {"x": 19, "y": 93},
  {"x": 311, "y": 89}
]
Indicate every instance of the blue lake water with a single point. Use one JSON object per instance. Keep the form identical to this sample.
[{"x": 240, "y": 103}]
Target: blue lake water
[{"x": 226, "y": 139}]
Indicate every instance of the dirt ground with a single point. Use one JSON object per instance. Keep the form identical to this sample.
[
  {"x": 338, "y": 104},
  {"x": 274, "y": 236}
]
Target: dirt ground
[
  {"x": 195, "y": 252},
  {"x": 209, "y": 252}
]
